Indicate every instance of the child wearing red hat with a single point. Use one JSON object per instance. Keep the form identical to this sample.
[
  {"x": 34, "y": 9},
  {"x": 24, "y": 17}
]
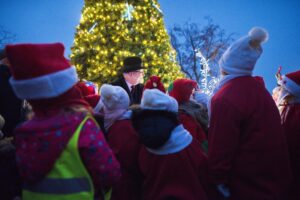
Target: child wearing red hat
[
  {"x": 190, "y": 112},
  {"x": 61, "y": 152},
  {"x": 154, "y": 82},
  {"x": 289, "y": 104}
]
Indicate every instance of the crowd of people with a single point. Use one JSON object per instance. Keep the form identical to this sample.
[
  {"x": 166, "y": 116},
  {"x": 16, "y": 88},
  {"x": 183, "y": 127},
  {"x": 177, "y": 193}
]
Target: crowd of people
[{"x": 61, "y": 138}]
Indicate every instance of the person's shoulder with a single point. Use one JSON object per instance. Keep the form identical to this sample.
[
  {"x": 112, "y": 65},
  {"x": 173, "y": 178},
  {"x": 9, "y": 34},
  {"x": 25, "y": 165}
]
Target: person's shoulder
[
  {"x": 119, "y": 81},
  {"x": 237, "y": 87},
  {"x": 115, "y": 82},
  {"x": 139, "y": 86}
]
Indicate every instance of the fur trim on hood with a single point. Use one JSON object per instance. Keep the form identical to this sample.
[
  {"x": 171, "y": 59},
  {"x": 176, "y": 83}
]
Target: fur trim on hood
[{"x": 197, "y": 111}]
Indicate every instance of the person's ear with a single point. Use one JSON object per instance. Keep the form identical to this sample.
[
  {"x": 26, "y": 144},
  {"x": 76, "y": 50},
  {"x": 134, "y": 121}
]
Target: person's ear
[{"x": 224, "y": 73}]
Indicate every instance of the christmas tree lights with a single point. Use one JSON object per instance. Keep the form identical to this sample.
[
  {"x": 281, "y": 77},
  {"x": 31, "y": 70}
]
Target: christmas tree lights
[{"x": 111, "y": 30}]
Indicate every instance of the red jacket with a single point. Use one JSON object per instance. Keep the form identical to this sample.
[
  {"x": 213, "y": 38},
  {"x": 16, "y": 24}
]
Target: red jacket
[
  {"x": 290, "y": 119},
  {"x": 247, "y": 150},
  {"x": 179, "y": 175},
  {"x": 125, "y": 144}
]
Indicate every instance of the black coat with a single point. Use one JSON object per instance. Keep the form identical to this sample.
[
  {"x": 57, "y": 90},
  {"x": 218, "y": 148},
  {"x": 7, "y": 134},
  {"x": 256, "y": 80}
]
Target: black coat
[
  {"x": 10, "y": 180},
  {"x": 10, "y": 105},
  {"x": 136, "y": 95}
]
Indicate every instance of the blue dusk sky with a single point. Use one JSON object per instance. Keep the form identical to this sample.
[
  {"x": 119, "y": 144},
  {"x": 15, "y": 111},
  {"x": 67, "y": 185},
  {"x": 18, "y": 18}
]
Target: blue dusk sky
[{"x": 42, "y": 21}]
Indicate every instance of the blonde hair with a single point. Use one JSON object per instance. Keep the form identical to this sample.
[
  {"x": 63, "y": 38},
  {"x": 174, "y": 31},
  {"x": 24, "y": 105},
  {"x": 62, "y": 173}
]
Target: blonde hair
[
  {"x": 72, "y": 109},
  {"x": 286, "y": 101}
]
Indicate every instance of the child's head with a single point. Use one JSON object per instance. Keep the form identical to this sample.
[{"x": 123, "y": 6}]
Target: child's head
[
  {"x": 114, "y": 97},
  {"x": 289, "y": 91},
  {"x": 154, "y": 82},
  {"x": 240, "y": 58},
  {"x": 156, "y": 118},
  {"x": 182, "y": 89}
]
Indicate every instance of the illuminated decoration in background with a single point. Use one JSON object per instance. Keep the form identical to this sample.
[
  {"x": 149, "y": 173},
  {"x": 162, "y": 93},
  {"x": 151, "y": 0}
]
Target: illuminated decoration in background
[
  {"x": 92, "y": 28},
  {"x": 208, "y": 82},
  {"x": 156, "y": 7},
  {"x": 105, "y": 36},
  {"x": 128, "y": 13},
  {"x": 278, "y": 75},
  {"x": 90, "y": 84}
]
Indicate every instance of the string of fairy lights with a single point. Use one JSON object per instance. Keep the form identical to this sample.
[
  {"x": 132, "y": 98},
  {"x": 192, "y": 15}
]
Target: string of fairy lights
[{"x": 208, "y": 82}]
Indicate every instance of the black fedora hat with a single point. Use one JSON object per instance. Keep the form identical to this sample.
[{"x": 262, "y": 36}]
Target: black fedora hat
[{"x": 132, "y": 64}]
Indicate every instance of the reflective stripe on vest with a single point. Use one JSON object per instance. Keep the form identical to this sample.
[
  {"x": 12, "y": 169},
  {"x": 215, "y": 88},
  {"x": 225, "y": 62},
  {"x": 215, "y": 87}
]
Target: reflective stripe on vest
[{"x": 60, "y": 186}]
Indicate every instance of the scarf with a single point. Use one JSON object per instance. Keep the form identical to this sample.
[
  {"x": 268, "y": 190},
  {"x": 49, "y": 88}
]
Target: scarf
[
  {"x": 110, "y": 116},
  {"x": 180, "y": 138}
]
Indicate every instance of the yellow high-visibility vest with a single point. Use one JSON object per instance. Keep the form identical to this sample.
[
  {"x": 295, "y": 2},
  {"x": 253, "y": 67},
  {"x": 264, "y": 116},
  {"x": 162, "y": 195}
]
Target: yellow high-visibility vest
[{"x": 67, "y": 180}]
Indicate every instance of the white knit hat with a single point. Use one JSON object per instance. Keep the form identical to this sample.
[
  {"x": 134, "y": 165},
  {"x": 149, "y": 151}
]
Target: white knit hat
[
  {"x": 154, "y": 99},
  {"x": 241, "y": 56},
  {"x": 114, "y": 97}
]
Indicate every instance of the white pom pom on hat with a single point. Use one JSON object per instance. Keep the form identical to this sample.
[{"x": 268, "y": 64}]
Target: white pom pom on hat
[
  {"x": 114, "y": 97},
  {"x": 240, "y": 58},
  {"x": 258, "y": 34}
]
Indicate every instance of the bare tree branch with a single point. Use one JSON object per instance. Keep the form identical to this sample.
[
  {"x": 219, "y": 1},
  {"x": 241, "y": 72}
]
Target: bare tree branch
[
  {"x": 6, "y": 37},
  {"x": 210, "y": 39}
]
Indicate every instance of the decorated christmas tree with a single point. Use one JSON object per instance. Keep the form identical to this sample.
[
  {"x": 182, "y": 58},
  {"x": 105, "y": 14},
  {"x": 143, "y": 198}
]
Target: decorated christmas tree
[{"x": 111, "y": 30}]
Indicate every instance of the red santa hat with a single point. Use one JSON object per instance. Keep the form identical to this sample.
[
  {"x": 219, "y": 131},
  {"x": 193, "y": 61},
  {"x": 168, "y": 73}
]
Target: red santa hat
[
  {"x": 114, "y": 97},
  {"x": 182, "y": 89},
  {"x": 291, "y": 82},
  {"x": 85, "y": 89},
  {"x": 154, "y": 99},
  {"x": 91, "y": 89},
  {"x": 94, "y": 102},
  {"x": 154, "y": 82},
  {"x": 40, "y": 71},
  {"x": 240, "y": 58}
]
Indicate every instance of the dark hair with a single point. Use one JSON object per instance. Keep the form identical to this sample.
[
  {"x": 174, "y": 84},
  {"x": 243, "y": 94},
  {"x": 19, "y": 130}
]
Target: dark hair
[{"x": 154, "y": 127}]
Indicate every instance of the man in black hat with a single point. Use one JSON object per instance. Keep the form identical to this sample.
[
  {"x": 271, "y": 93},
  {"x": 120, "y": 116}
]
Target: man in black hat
[{"x": 132, "y": 74}]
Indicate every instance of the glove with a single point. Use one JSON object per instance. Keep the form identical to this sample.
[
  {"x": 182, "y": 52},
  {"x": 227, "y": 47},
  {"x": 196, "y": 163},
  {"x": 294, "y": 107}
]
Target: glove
[{"x": 224, "y": 190}]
